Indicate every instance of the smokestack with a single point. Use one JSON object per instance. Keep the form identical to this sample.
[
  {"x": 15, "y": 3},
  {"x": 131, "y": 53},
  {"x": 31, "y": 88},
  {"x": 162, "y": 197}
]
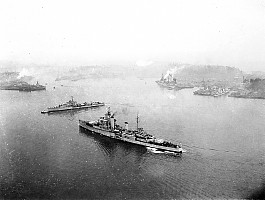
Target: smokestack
[
  {"x": 112, "y": 124},
  {"x": 126, "y": 127}
]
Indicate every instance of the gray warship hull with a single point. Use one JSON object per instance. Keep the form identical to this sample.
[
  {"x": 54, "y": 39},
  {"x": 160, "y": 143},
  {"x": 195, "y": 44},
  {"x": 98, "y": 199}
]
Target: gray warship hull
[
  {"x": 72, "y": 108},
  {"x": 110, "y": 134}
]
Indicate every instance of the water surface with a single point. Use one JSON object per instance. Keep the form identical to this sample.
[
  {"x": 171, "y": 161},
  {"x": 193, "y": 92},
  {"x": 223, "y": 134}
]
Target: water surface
[{"x": 48, "y": 156}]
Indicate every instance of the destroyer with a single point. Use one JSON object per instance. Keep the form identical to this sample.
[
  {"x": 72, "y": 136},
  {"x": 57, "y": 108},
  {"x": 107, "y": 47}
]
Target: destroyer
[
  {"x": 72, "y": 105},
  {"x": 106, "y": 126}
]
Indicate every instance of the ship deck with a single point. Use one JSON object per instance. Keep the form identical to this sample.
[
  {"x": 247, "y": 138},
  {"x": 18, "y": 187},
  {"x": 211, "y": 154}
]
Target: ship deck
[
  {"x": 109, "y": 134},
  {"x": 73, "y": 108}
]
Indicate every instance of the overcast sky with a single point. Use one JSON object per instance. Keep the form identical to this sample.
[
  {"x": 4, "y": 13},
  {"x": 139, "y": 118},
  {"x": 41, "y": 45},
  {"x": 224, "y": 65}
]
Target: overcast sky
[{"x": 224, "y": 32}]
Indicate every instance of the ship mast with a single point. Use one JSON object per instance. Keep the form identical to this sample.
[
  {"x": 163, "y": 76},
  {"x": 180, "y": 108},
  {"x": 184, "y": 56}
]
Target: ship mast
[{"x": 137, "y": 122}]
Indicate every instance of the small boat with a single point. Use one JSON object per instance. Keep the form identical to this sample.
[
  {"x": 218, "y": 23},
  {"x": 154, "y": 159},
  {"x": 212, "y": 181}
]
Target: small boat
[
  {"x": 73, "y": 105},
  {"x": 106, "y": 127}
]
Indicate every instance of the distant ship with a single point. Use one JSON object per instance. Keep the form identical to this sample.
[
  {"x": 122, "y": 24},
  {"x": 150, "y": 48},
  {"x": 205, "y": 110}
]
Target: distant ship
[
  {"x": 171, "y": 83},
  {"x": 72, "y": 105},
  {"x": 212, "y": 91},
  {"x": 106, "y": 126},
  {"x": 22, "y": 86},
  {"x": 30, "y": 88}
]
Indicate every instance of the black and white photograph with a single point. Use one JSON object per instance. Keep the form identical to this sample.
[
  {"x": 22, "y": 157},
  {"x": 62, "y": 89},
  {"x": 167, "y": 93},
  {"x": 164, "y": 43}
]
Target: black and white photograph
[{"x": 132, "y": 99}]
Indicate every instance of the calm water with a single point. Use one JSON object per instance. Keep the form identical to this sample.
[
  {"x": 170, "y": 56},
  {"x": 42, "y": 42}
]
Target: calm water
[{"x": 48, "y": 156}]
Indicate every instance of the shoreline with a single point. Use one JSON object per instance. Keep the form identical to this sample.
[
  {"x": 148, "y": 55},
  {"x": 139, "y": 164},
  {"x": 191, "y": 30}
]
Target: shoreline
[{"x": 245, "y": 97}]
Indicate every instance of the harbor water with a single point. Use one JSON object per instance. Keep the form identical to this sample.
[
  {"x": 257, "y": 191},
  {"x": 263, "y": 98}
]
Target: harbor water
[{"x": 49, "y": 156}]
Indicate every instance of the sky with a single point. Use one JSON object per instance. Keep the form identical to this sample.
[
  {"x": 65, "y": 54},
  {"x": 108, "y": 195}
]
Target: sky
[{"x": 219, "y": 32}]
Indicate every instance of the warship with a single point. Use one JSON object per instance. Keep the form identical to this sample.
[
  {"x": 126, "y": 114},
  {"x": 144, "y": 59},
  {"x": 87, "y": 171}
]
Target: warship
[
  {"x": 22, "y": 86},
  {"x": 73, "y": 105},
  {"x": 107, "y": 127},
  {"x": 212, "y": 91},
  {"x": 171, "y": 83}
]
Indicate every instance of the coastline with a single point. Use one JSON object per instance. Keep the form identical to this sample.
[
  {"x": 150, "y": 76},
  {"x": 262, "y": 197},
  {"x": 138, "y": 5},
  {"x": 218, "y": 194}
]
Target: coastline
[{"x": 245, "y": 96}]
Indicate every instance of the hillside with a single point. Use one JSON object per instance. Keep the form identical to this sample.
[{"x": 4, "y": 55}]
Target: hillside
[
  {"x": 206, "y": 72},
  {"x": 253, "y": 89},
  {"x": 13, "y": 76},
  {"x": 255, "y": 74},
  {"x": 91, "y": 71},
  {"x": 8, "y": 76},
  {"x": 256, "y": 85}
]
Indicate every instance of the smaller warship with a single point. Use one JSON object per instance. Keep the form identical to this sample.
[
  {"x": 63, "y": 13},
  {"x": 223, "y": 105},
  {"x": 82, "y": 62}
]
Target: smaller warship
[{"x": 72, "y": 105}]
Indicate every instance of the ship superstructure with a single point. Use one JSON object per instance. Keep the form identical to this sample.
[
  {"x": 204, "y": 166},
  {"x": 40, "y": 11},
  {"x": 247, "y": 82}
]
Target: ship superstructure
[
  {"x": 171, "y": 83},
  {"x": 212, "y": 91},
  {"x": 107, "y": 126}
]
